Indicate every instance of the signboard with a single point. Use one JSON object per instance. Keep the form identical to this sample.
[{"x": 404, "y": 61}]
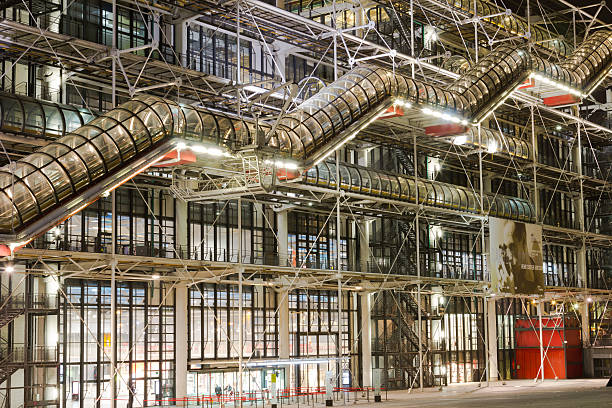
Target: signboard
[{"x": 515, "y": 260}]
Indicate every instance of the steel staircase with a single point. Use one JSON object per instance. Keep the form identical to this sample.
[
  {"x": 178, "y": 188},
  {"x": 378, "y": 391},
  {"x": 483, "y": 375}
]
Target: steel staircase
[
  {"x": 11, "y": 307},
  {"x": 11, "y": 359}
]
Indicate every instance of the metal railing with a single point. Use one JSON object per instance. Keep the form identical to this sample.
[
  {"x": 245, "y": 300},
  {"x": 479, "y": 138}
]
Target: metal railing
[
  {"x": 37, "y": 301},
  {"x": 19, "y": 354}
]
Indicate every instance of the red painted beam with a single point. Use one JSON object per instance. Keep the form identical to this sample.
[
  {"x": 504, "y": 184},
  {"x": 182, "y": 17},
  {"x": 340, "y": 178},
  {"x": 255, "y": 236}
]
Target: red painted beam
[
  {"x": 560, "y": 100},
  {"x": 174, "y": 159},
  {"x": 446, "y": 129}
]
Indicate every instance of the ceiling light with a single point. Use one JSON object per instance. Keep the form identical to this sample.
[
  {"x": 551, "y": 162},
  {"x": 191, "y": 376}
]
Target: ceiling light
[
  {"x": 460, "y": 140},
  {"x": 492, "y": 146},
  {"x": 155, "y": 276},
  {"x": 9, "y": 269}
]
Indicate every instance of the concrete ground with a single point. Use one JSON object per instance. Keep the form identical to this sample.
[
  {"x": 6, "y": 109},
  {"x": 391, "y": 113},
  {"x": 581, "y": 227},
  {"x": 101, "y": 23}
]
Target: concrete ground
[
  {"x": 516, "y": 394},
  {"x": 584, "y": 393}
]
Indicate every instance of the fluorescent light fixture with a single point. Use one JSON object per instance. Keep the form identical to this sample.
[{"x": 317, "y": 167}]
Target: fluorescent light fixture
[
  {"x": 445, "y": 116},
  {"x": 460, "y": 140},
  {"x": 403, "y": 102},
  {"x": 281, "y": 164},
  {"x": 14, "y": 245},
  {"x": 211, "y": 151},
  {"x": 558, "y": 85},
  {"x": 492, "y": 146},
  {"x": 199, "y": 149},
  {"x": 155, "y": 276},
  {"x": 296, "y": 361}
]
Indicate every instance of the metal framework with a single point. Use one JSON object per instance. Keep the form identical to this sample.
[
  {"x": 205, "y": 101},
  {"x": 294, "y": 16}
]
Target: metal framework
[{"x": 508, "y": 154}]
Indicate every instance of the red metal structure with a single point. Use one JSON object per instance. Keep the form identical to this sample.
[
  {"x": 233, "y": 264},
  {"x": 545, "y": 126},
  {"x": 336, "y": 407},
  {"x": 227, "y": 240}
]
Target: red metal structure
[{"x": 562, "y": 346}]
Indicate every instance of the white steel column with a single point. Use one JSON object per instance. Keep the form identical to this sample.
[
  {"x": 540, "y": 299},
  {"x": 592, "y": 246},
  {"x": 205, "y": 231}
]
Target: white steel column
[
  {"x": 541, "y": 342},
  {"x": 180, "y": 208},
  {"x": 417, "y": 232},
  {"x": 240, "y": 302},
  {"x": 581, "y": 263},
  {"x": 181, "y": 41},
  {"x": 283, "y": 330},
  {"x": 113, "y": 305},
  {"x": 181, "y": 342},
  {"x": 366, "y": 338},
  {"x": 364, "y": 245},
  {"x": 535, "y": 200},
  {"x": 491, "y": 338},
  {"x": 283, "y": 237}
]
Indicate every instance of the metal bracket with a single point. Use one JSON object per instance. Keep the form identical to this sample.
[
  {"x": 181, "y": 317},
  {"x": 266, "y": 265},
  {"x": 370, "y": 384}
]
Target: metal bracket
[
  {"x": 391, "y": 54},
  {"x": 476, "y": 19}
]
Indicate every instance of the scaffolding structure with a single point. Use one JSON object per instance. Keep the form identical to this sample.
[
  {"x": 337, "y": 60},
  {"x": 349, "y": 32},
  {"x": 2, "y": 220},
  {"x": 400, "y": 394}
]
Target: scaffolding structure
[{"x": 419, "y": 121}]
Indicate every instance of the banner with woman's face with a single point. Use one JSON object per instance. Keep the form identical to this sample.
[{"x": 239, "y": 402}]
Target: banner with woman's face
[{"x": 515, "y": 257}]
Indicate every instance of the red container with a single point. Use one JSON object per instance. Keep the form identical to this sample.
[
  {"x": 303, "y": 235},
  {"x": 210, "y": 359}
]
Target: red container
[{"x": 562, "y": 348}]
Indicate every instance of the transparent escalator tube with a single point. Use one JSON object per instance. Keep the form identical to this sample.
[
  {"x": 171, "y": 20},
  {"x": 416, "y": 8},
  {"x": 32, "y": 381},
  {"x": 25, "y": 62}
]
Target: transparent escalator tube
[{"x": 441, "y": 195}]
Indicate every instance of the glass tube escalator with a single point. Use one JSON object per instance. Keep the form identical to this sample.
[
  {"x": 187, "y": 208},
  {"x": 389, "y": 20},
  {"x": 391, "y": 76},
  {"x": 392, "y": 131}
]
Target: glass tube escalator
[
  {"x": 44, "y": 188},
  {"x": 431, "y": 193},
  {"x": 70, "y": 172},
  {"x": 31, "y": 117}
]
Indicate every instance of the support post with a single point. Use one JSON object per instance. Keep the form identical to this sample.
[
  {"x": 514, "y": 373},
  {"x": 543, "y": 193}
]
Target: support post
[
  {"x": 417, "y": 232},
  {"x": 534, "y": 158},
  {"x": 180, "y": 301},
  {"x": 240, "y": 302},
  {"x": 581, "y": 263},
  {"x": 366, "y": 338},
  {"x": 364, "y": 245},
  {"x": 283, "y": 238},
  {"x": 283, "y": 331},
  {"x": 492, "y": 369},
  {"x": 181, "y": 42},
  {"x": 338, "y": 258},
  {"x": 113, "y": 305},
  {"x": 541, "y": 341},
  {"x": 182, "y": 243}
]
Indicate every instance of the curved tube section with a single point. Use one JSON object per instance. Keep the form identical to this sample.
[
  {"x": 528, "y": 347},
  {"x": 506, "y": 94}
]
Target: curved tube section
[
  {"x": 28, "y": 116},
  {"x": 513, "y": 24},
  {"x": 457, "y": 63},
  {"x": 494, "y": 142},
  {"x": 58, "y": 180},
  {"x": 377, "y": 183},
  {"x": 364, "y": 92}
]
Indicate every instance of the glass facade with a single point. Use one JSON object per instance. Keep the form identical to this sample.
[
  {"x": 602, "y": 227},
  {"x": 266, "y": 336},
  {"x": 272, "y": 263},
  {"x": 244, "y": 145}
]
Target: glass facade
[
  {"x": 88, "y": 150},
  {"x": 145, "y": 344}
]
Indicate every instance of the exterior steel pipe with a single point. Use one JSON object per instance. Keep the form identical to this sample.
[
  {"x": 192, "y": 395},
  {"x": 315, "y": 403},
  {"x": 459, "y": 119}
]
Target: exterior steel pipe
[{"x": 377, "y": 183}]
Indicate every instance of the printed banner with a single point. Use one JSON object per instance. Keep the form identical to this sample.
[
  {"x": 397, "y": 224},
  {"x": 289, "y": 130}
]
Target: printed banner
[{"x": 515, "y": 260}]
